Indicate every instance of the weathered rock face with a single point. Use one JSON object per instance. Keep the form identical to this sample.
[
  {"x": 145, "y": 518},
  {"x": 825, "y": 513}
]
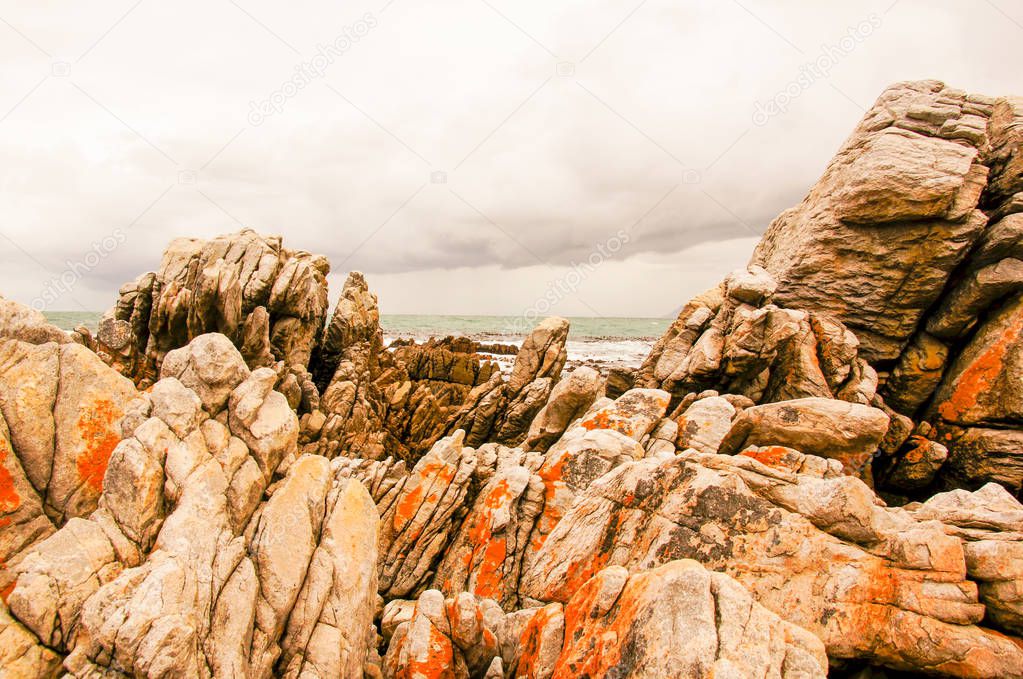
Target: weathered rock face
[
  {"x": 244, "y": 286},
  {"x": 60, "y": 407},
  {"x": 897, "y": 206},
  {"x": 979, "y": 403},
  {"x": 990, "y": 522},
  {"x": 811, "y": 545},
  {"x": 616, "y": 625},
  {"x": 734, "y": 340},
  {"x": 727, "y": 633},
  {"x": 184, "y": 568},
  {"x": 911, "y": 238},
  {"x": 469, "y": 637},
  {"x": 569, "y": 400},
  {"x": 503, "y": 411}
]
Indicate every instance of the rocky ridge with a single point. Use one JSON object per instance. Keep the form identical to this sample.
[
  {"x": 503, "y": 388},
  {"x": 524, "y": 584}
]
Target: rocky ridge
[{"x": 814, "y": 473}]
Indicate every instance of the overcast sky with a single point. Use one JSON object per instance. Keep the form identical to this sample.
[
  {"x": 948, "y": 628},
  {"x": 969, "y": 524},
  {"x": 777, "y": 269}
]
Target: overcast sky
[{"x": 469, "y": 156}]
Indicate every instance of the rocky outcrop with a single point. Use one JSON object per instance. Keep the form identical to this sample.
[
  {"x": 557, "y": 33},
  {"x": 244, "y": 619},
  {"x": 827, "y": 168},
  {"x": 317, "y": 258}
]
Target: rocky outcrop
[
  {"x": 289, "y": 498},
  {"x": 377, "y": 403},
  {"x": 247, "y": 287},
  {"x": 60, "y": 408},
  {"x": 809, "y": 543},
  {"x": 503, "y": 411},
  {"x": 185, "y": 567},
  {"x": 897, "y": 206},
  {"x": 923, "y": 201},
  {"x": 734, "y": 339}
]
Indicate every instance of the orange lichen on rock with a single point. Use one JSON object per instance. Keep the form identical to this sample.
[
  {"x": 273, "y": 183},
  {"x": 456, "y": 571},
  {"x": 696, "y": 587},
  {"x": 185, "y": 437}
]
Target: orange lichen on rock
[
  {"x": 601, "y": 420},
  {"x": 438, "y": 662},
  {"x": 489, "y": 552},
  {"x": 409, "y": 504},
  {"x": 579, "y": 572},
  {"x": 593, "y": 642},
  {"x": 553, "y": 479},
  {"x": 980, "y": 376},
  {"x": 529, "y": 643},
  {"x": 9, "y": 498},
  {"x": 772, "y": 456},
  {"x": 97, "y": 427}
]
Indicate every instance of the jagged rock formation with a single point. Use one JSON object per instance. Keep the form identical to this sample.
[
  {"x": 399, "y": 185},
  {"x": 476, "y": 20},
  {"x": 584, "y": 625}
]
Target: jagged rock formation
[
  {"x": 924, "y": 201},
  {"x": 59, "y": 410},
  {"x": 248, "y": 287},
  {"x": 733, "y": 339},
  {"x": 808, "y": 543},
  {"x": 243, "y": 585},
  {"x": 292, "y": 499},
  {"x": 503, "y": 411},
  {"x": 376, "y": 403}
]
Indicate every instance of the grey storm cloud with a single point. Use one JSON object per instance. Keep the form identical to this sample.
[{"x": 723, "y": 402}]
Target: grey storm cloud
[{"x": 462, "y": 153}]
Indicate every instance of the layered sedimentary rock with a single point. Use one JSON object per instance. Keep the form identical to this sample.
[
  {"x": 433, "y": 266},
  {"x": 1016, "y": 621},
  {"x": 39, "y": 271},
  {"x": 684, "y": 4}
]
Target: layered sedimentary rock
[
  {"x": 243, "y": 285},
  {"x": 990, "y": 522}
]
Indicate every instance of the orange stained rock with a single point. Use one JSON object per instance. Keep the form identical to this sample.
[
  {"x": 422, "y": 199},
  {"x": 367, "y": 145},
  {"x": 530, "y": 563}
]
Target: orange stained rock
[
  {"x": 593, "y": 643},
  {"x": 601, "y": 420},
  {"x": 96, "y": 425},
  {"x": 490, "y": 550},
  {"x": 9, "y": 498},
  {"x": 408, "y": 505},
  {"x": 529, "y": 643},
  {"x": 981, "y": 374},
  {"x": 606, "y": 420},
  {"x": 916, "y": 453},
  {"x": 769, "y": 455},
  {"x": 438, "y": 663},
  {"x": 553, "y": 478},
  {"x": 5, "y": 592},
  {"x": 579, "y": 572}
]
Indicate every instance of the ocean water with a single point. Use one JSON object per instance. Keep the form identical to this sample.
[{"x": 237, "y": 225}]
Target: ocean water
[{"x": 597, "y": 341}]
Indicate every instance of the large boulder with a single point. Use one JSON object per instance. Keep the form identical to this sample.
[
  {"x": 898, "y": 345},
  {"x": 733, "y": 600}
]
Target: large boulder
[
  {"x": 896, "y": 206},
  {"x": 727, "y": 633},
  {"x": 847, "y": 432}
]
